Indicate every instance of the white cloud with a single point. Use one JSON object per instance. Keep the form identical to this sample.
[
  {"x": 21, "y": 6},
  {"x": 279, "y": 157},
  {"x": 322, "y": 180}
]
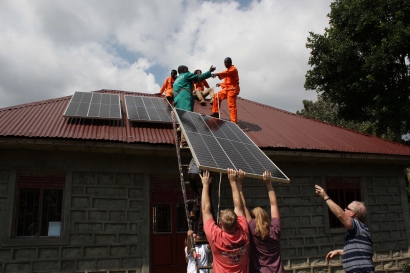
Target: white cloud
[{"x": 51, "y": 48}]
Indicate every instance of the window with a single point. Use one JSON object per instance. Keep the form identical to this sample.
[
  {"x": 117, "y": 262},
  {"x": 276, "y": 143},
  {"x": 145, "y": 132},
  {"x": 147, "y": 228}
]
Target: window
[
  {"x": 161, "y": 218},
  {"x": 39, "y": 205},
  {"x": 182, "y": 225},
  {"x": 342, "y": 191}
]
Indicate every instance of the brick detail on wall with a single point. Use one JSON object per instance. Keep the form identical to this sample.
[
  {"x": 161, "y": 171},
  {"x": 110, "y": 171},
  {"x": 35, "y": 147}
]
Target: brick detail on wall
[
  {"x": 304, "y": 219},
  {"x": 105, "y": 228}
]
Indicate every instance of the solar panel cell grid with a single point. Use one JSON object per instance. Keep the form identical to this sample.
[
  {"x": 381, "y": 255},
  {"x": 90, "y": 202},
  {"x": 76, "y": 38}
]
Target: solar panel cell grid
[
  {"x": 218, "y": 144},
  {"x": 146, "y": 109},
  {"x": 94, "y": 105}
]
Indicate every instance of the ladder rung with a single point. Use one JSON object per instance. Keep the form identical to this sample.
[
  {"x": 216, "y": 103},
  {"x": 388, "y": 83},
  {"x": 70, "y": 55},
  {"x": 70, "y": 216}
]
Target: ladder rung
[
  {"x": 205, "y": 267},
  {"x": 191, "y": 201}
]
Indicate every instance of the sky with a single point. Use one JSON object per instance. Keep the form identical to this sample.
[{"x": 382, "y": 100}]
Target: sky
[{"x": 52, "y": 48}]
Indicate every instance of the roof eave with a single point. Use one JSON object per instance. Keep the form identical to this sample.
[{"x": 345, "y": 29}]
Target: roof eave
[{"x": 317, "y": 156}]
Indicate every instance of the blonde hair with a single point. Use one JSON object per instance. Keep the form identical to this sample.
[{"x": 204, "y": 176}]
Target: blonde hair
[
  {"x": 228, "y": 219},
  {"x": 262, "y": 222}
]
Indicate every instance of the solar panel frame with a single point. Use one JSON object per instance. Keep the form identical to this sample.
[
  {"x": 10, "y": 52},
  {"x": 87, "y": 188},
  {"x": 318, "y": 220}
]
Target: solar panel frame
[
  {"x": 148, "y": 109},
  {"x": 94, "y": 106},
  {"x": 218, "y": 144}
]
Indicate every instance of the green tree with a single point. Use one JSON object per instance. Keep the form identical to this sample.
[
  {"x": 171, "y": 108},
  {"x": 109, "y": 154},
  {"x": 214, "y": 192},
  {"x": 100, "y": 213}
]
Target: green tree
[
  {"x": 361, "y": 63},
  {"x": 326, "y": 111}
]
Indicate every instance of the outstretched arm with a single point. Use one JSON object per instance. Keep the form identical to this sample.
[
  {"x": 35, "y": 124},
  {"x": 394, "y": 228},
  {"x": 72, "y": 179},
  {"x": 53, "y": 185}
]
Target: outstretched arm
[
  {"x": 274, "y": 209},
  {"x": 241, "y": 177},
  {"x": 335, "y": 208},
  {"x": 334, "y": 253},
  {"x": 206, "y": 201},
  {"x": 237, "y": 201},
  {"x": 164, "y": 86}
]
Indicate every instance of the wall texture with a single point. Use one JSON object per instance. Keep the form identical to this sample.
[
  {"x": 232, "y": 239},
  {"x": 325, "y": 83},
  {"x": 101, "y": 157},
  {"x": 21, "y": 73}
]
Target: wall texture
[
  {"x": 107, "y": 228},
  {"x": 306, "y": 237},
  {"x": 108, "y": 212}
]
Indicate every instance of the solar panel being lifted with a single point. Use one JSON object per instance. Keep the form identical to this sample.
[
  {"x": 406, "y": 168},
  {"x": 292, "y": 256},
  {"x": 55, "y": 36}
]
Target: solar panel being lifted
[
  {"x": 151, "y": 109},
  {"x": 218, "y": 144},
  {"x": 94, "y": 105}
]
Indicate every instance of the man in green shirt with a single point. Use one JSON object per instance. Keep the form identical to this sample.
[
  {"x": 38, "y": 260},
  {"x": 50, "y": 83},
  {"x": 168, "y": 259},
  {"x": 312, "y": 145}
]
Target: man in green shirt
[{"x": 183, "y": 96}]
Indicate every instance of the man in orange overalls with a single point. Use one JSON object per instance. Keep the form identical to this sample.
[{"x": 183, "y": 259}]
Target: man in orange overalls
[
  {"x": 200, "y": 93},
  {"x": 168, "y": 86},
  {"x": 230, "y": 90}
]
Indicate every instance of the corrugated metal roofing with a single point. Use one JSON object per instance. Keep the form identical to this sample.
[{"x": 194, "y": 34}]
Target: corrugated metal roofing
[{"x": 268, "y": 127}]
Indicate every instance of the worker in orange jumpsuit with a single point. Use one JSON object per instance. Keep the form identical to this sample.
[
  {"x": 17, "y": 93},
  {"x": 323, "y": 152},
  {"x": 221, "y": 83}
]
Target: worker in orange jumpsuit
[
  {"x": 168, "y": 87},
  {"x": 230, "y": 90},
  {"x": 199, "y": 92}
]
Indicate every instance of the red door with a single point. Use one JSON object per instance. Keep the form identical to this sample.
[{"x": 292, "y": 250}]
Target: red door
[{"x": 168, "y": 226}]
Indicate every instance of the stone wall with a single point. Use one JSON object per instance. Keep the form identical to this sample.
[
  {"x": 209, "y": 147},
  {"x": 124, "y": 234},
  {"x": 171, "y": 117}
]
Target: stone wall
[
  {"x": 305, "y": 236},
  {"x": 107, "y": 224},
  {"x": 108, "y": 213},
  {"x": 107, "y": 228}
]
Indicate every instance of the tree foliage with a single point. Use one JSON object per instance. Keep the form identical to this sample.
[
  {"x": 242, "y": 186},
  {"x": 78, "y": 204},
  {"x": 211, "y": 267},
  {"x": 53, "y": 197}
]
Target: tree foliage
[
  {"x": 326, "y": 111},
  {"x": 361, "y": 63}
]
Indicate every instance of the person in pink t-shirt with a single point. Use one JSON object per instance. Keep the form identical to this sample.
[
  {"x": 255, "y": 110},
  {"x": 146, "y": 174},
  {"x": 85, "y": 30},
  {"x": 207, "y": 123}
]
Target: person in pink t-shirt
[
  {"x": 264, "y": 233},
  {"x": 229, "y": 241}
]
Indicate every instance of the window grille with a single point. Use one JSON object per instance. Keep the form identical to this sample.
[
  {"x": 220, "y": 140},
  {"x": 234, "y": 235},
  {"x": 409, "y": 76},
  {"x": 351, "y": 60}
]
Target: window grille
[
  {"x": 342, "y": 190},
  {"x": 39, "y": 205}
]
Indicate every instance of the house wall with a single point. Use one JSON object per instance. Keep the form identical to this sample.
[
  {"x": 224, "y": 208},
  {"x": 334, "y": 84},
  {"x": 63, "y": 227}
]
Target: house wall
[
  {"x": 306, "y": 237},
  {"x": 107, "y": 205},
  {"x": 108, "y": 212}
]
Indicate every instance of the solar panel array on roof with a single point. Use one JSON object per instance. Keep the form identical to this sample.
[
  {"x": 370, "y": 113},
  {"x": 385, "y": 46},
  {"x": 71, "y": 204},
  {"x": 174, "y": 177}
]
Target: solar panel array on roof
[
  {"x": 94, "y": 105},
  {"x": 217, "y": 144},
  {"x": 150, "y": 109}
]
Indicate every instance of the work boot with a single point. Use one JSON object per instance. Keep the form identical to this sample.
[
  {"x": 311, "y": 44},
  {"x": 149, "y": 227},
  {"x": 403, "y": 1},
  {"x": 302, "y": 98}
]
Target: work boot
[
  {"x": 215, "y": 115},
  {"x": 203, "y": 102}
]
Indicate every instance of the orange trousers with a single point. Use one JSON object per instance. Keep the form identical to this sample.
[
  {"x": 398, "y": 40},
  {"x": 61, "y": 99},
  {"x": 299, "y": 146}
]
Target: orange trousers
[{"x": 230, "y": 96}]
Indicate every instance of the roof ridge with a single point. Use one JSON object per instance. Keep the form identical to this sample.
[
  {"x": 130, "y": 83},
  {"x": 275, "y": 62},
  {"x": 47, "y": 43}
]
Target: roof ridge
[
  {"x": 19, "y": 106},
  {"x": 123, "y": 92}
]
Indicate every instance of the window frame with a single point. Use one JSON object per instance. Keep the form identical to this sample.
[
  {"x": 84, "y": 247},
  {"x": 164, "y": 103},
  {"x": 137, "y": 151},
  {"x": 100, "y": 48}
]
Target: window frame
[
  {"x": 337, "y": 188},
  {"x": 7, "y": 230},
  {"x": 41, "y": 182}
]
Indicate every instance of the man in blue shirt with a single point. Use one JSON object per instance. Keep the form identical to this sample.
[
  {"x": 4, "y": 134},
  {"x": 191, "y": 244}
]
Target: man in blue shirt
[{"x": 358, "y": 250}]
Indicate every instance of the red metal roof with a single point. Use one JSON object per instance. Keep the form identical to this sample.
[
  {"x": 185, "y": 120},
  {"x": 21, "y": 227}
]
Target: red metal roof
[{"x": 268, "y": 127}]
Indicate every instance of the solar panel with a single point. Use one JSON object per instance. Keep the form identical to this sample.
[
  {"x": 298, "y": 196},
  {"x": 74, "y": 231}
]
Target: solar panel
[
  {"x": 218, "y": 144},
  {"x": 150, "y": 109},
  {"x": 94, "y": 105}
]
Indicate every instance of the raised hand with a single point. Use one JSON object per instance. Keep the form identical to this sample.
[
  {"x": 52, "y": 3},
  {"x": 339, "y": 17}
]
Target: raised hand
[
  {"x": 206, "y": 178},
  {"x": 266, "y": 177}
]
